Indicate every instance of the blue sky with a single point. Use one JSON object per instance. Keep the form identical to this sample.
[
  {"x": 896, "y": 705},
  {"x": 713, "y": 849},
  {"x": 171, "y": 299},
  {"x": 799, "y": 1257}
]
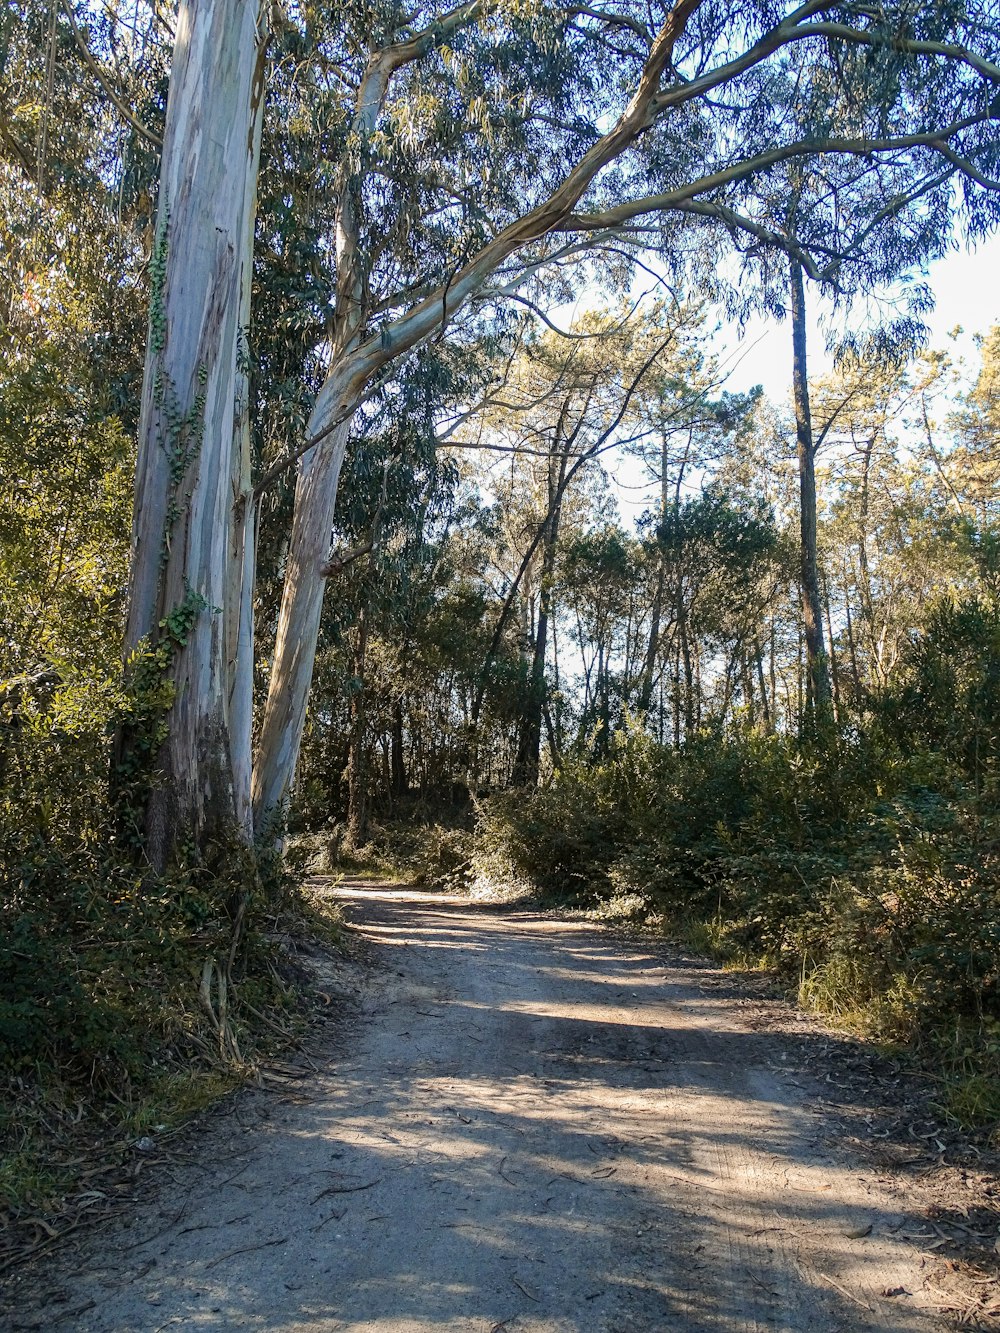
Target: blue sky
[{"x": 965, "y": 285}]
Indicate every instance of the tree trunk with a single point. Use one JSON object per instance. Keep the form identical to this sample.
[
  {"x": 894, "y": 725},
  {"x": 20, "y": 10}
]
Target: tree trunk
[
  {"x": 834, "y": 668},
  {"x": 648, "y": 677},
  {"x": 689, "y": 700},
  {"x": 817, "y": 701},
  {"x": 765, "y": 702},
  {"x": 851, "y": 645},
  {"x": 192, "y": 550},
  {"x": 298, "y": 622},
  {"x": 397, "y": 765},
  {"x": 528, "y": 762},
  {"x": 656, "y": 615}
]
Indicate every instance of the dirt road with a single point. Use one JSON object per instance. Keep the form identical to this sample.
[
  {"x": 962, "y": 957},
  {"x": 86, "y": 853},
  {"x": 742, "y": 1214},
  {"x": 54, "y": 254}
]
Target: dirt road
[{"x": 530, "y": 1127}]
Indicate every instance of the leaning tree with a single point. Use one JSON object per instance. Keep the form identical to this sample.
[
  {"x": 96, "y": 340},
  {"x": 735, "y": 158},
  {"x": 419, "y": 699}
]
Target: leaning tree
[{"x": 634, "y": 125}]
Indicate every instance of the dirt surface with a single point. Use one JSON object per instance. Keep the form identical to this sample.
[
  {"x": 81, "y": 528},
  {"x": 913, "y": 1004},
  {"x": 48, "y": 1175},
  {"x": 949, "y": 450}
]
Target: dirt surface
[{"x": 529, "y": 1125}]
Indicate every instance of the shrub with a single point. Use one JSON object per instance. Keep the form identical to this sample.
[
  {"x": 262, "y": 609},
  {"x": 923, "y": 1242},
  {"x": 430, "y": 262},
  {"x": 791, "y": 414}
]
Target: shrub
[{"x": 838, "y": 865}]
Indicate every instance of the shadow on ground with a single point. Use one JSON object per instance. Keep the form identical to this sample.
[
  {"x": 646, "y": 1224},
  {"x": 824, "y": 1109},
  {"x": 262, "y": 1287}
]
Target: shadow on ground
[{"x": 535, "y": 1127}]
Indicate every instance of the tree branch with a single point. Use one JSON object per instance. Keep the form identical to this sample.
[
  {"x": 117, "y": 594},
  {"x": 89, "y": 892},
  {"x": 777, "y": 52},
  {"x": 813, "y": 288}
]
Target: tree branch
[
  {"x": 339, "y": 561},
  {"x": 153, "y": 139},
  {"x": 739, "y": 171}
]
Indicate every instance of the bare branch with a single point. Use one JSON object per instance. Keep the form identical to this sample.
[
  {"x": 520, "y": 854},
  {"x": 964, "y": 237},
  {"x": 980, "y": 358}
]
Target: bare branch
[{"x": 562, "y": 333}]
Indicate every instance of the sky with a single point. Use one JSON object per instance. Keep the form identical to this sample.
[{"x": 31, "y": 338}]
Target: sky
[
  {"x": 964, "y": 285},
  {"x": 761, "y": 353}
]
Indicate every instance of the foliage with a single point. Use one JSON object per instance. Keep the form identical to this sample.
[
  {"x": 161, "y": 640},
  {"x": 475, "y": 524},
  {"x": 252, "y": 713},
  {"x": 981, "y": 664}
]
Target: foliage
[
  {"x": 867, "y": 865},
  {"x": 865, "y": 868},
  {"x": 105, "y": 1014}
]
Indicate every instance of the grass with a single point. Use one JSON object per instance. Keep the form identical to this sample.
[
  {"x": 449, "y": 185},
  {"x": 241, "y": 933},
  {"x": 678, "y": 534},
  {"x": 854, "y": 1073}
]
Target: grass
[
  {"x": 319, "y": 854},
  {"x": 428, "y": 853},
  {"x": 972, "y": 1101},
  {"x": 721, "y": 941},
  {"x": 56, "y": 1138},
  {"x": 178, "y": 1095},
  {"x": 60, "y": 1123}
]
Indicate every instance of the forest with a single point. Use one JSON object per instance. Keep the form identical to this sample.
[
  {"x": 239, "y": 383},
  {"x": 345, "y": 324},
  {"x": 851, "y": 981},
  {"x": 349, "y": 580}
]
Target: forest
[{"x": 374, "y": 502}]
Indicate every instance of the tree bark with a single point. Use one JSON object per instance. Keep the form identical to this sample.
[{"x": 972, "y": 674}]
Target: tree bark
[
  {"x": 765, "y": 702},
  {"x": 817, "y": 701},
  {"x": 298, "y": 624},
  {"x": 192, "y": 553},
  {"x": 399, "y": 783},
  {"x": 834, "y": 667},
  {"x": 360, "y": 353}
]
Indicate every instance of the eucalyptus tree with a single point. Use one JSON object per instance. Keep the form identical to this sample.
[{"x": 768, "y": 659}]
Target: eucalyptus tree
[
  {"x": 193, "y": 527},
  {"x": 684, "y": 142},
  {"x": 853, "y": 223},
  {"x": 631, "y": 382},
  {"x": 860, "y": 406},
  {"x": 80, "y": 101},
  {"x": 856, "y": 224},
  {"x": 902, "y": 530},
  {"x": 403, "y": 639},
  {"x": 625, "y": 124},
  {"x": 600, "y": 578},
  {"x": 390, "y": 544},
  {"x": 893, "y": 216}
]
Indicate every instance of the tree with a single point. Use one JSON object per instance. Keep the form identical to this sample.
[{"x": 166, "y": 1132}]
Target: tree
[
  {"x": 566, "y": 400},
  {"x": 193, "y": 529},
  {"x": 962, "y": 108},
  {"x": 670, "y": 129},
  {"x": 817, "y": 671}
]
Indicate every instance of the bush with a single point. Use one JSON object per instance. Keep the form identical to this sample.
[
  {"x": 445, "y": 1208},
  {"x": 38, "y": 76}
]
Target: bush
[
  {"x": 119, "y": 989},
  {"x": 838, "y": 866}
]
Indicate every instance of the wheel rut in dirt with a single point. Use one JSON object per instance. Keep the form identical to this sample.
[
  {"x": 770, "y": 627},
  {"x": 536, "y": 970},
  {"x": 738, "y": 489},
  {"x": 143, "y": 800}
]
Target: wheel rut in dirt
[{"x": 531, "y": 1126}]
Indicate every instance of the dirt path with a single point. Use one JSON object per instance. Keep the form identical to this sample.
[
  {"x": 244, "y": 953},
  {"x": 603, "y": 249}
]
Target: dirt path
[{"x": 532, "y": 1127}]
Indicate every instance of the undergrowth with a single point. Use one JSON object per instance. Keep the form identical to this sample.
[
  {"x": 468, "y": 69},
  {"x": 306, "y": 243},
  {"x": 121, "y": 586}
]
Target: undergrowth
[
  {"x": 428, "y": 849},
  {"x": 128, "y": 1000}
]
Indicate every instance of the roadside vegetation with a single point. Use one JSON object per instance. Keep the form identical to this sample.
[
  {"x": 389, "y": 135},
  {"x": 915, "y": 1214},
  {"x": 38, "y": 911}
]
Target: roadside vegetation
[
  {"x": 850, "y": 847},
  {"x": 382, "y": 563}
]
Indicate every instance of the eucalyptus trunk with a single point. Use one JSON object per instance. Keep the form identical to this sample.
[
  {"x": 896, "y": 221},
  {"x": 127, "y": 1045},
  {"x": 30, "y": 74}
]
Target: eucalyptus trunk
[
  {"x": 192, "y": 552},
  {"x": 298, "y": 623},
  {"x": 359, "y": 353}
]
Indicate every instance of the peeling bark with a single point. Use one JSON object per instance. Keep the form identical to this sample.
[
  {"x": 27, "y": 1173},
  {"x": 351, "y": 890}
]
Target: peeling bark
[{"x": 191, "y": 552}]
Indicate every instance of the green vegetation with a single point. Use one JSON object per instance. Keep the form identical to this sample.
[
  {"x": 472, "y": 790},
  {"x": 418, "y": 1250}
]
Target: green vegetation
[
  {"x": 686, "y": 781},
  {"x": 868, "y": 873},
  {"x": 764, "y": 712}
]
